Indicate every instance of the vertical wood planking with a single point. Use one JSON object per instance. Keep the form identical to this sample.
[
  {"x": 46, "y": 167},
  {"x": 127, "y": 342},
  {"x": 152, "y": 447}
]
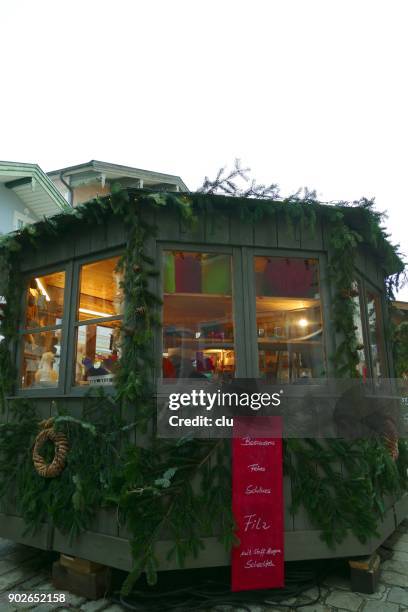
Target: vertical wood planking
[
  {"x": 241, "y": 233},
  {"x": 60, "y": 251},
  {"x": 98, "y": 240},
  {"x": 287, "y": 238},
  {"x": 217, "y": 228},
  {"x": 266, "y": 231},
  {"x": 372, "y": 267},
  {"x": 168, "y": 225},
  {"x": 115, "y": 233},
  {"x": 332, "y": 338},
  {"x": 249, "y": 314},
  {"x": 82, "y": 243},
  {"x": 239, "y": 294},
  {"x": 311, "y": 238},
  {"x": 360, "y": 262},
  {"x": 326, "y": 305},
  {"x": 192, "y": 232},
  {"x": 325, "y": 235}
]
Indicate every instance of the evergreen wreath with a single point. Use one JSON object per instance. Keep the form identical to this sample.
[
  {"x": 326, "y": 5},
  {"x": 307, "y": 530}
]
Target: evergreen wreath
[{"x": 341, "y": 484}]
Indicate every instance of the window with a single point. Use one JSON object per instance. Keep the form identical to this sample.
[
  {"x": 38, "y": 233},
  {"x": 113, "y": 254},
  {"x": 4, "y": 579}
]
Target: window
[
  {"x": 20, "y": 220},
  {"x": 55, "y": 342},
  {"x": 198, "y": 329},
  {"x": 368, "y": 329},
  {"x": 375, "y": 335},
  {"x": 356, "y": 294},
  {"x": 98, "y": 319},
  {"x": 41, "y": 336},
  {"x": 288, "y": 319}
]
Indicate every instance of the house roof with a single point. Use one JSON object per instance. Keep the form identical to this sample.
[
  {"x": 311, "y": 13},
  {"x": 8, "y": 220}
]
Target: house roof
[
  {"x": 33, "y": 187},
  {"x": 115, "y": 171},
  {"x": 400, "y": 305}
]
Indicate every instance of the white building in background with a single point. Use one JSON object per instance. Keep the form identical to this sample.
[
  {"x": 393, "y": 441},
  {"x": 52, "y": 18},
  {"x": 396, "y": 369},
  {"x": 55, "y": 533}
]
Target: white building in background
[{"x": 27, "y": 194}]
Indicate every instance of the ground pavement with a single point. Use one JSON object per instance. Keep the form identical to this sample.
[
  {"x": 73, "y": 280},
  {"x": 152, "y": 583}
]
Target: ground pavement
[{"x": 24, "y": 569}]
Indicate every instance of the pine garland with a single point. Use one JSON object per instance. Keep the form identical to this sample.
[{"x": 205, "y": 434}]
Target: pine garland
[{"x": 151, "y": 485}]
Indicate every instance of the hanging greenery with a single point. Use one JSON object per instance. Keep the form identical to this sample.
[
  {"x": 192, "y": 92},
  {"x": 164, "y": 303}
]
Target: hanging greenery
[
  {"x": 166, "y": 487},
  {"x": 400, "y": 343}
]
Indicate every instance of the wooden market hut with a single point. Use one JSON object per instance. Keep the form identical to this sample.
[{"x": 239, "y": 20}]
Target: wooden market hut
[{"x": 244, "y": 288}]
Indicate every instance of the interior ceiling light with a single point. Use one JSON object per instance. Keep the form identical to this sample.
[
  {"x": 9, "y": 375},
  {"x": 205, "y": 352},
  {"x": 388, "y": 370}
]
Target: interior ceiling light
[
  {"x": 94, "y": 312},
  {"x": 42, "y": 289}
]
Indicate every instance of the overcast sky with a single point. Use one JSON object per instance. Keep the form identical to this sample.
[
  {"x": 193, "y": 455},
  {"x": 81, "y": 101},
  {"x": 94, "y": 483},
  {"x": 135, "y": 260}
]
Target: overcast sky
[{"x": 306, "y": 92}]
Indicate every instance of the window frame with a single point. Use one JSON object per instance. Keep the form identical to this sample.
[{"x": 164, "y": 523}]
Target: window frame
[
  {"x": 365, "y": 285},
  {"x": 327, "y": 340},
  {"x": 71, "y": 389},
  {"x": 64, "y": 327},
  {"x": 72, "y": 268},
  {"x": 237, "y": 314},
  {"x": 243, "y": 305},
  {"x": 244, "y": 300},
  {"x": 25, "y": 219}
]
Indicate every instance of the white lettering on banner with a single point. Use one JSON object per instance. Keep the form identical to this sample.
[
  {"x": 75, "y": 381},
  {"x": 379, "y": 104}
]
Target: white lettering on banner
[
  {"x": 261, "y": 552},
  {"x": 255, "y": 523},
  {"x": 255, "y": 467},
  {"x": 252, "y": 564},
  {"x": 248, "y": 441},
  {"x": 252, "y": 489}
]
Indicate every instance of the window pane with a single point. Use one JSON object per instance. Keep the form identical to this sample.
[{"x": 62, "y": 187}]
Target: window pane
[
  {"x": 45, "y": 300},
  {"x": 358, "y": 327},
  {"x": 100, "y": 292},
  {"x": 198, "y": 331},
  {"x": 375, "y": 335},
  {"x": 97, "y": 353},
  {"x": 40, "y": 359},
  {"x": 288, "y": 319}
]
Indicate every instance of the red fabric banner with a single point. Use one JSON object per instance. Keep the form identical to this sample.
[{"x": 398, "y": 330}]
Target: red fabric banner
[{"x": 257, "y": 503}]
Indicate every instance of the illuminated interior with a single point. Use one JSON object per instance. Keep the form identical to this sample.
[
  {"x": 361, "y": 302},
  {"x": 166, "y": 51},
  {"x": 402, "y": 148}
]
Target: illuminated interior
[
  {"x": 98, "y": 343},
  {"x": 361, "y": 366},
  {"x": 100, "y": 290},
  {"x": 288, "y": 319},
  {"x": 41, "y": 350},
  {"x": 198, "y": 332},
  {"x": 375, "y": 333},
  {"x": 45, "y": 300},
  {"x": 40, "y": 358}
]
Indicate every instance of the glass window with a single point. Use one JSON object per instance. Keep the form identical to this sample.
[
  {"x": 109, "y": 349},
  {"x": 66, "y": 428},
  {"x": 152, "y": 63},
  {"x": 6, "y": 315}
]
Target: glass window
[
  {"x": 99, "y": 316},
  {"x": 375, "y": 333},
  {"x": 101, "y": 293},
  {"x": 45, "y": 300},
  {"x": 41, "y": 359},
  {"x": 198, "y": 329},
  {"x": 41, "y": 339},
  {"x": 288, "y": 319},
  {"x": 362, "y": 367}
]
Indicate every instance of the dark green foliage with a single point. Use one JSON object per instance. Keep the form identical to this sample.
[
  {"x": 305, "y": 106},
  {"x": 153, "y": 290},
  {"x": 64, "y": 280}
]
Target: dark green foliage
[
  {"x": 401, "y": 349},
  {"x": 342, "y": 484},
  {"x": 70, "y": 500},
  {"x": 182, "y": 489}
]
